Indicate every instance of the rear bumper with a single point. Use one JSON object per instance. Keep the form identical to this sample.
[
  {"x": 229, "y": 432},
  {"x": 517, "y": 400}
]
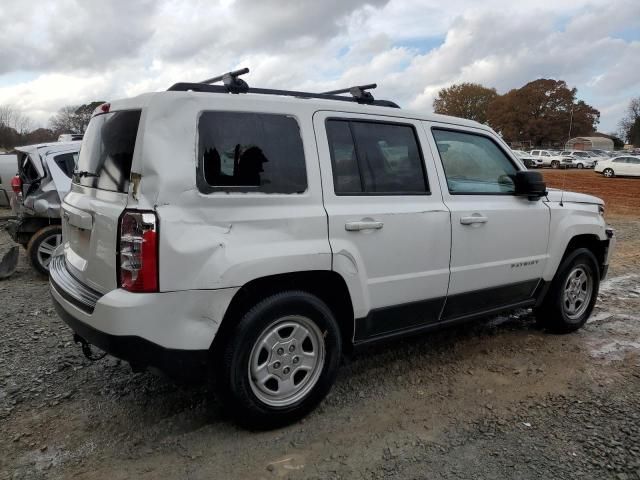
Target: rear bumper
[
  {"x": 171, "y": 331},
  {"x": 188, "y": 365}
]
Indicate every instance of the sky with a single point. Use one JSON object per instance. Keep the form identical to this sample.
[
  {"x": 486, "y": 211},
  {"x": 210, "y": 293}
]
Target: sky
[{"x": 66, "y": 52}]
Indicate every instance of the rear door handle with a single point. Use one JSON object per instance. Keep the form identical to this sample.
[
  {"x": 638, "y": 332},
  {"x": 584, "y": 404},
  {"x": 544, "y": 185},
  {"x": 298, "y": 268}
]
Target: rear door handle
[
  {"x": 362, "y": 225},
  {"x": 473, "y": 219}
]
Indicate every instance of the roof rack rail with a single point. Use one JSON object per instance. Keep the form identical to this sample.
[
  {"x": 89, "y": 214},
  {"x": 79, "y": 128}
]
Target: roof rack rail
[{"x": 233, "y": 84}]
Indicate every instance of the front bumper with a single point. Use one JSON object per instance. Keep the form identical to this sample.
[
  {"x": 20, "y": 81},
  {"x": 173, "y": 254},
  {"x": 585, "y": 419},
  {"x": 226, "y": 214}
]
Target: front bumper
[
  {"x": 610, "y": 248},
  {"x": 171, "y": 331}
]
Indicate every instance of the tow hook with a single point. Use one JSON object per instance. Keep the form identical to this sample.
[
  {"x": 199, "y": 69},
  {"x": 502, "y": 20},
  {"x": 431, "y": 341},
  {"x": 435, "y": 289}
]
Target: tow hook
[{"x": 86, "y": 348}]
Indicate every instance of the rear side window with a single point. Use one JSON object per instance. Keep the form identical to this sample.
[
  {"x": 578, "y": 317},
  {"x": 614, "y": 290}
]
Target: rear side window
[
  {"x": 375, "y": 158},
  {"x": 250, "y": 152},
  {"x": 107, "y": 151},
  {"x": 66, "y": 162}
]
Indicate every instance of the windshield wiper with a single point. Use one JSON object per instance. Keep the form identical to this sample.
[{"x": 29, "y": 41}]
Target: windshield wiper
[{"x": 84, "y": 173}]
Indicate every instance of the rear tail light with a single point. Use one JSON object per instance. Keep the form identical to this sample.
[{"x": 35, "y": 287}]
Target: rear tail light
[
  {"x": 16, "y": 184},
  {"x": 138, "y": 252}
]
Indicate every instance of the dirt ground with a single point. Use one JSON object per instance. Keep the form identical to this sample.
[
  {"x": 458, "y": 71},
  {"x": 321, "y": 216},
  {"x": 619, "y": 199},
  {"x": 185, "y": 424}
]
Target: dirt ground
[{"x": 495, "y": 399}]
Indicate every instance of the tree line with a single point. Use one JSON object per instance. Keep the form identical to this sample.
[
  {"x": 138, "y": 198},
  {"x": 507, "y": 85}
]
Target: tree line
[
  {"x": 543, "y": 112},
  {"x": 17, "y": 129}
]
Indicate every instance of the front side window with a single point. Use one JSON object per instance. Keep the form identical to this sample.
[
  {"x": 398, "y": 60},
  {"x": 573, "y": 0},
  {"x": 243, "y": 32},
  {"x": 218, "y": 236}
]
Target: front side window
[
  {"x": 375, "y": 158},
  {"x": 255, "y": 152},
  {"x": 474, "y": 164}
]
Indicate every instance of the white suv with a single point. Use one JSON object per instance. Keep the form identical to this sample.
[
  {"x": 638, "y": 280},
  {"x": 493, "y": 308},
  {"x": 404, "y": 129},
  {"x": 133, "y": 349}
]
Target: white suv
[
  {"x": 547, "y": 158},
  {"x": 256, "y": 235}
]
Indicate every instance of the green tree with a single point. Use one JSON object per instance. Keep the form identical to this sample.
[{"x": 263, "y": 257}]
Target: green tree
[
  {"x": 542, "y": 112},
  {"x": 465, "y": 100}
]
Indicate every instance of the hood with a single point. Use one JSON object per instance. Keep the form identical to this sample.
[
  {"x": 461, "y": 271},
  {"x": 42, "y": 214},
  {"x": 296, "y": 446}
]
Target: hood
[{"x": 555, "y": 195}]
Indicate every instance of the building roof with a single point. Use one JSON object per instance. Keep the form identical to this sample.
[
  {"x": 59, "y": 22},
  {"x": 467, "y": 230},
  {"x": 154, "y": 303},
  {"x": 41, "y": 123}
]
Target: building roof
[{"x": 602, "y": 143}]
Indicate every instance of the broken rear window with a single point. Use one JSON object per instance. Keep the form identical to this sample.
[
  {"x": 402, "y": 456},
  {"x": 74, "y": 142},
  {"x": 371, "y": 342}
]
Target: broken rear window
[
  {"x": 107, "y": 151},
  {"x": 250, "y": 152}
]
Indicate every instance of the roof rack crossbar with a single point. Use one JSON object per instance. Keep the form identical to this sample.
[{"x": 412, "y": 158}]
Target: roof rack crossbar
[
  {"x": 231, "y": 81},
  {"x": 201, "y": 87},
  {"x": 358, "y": 92}
]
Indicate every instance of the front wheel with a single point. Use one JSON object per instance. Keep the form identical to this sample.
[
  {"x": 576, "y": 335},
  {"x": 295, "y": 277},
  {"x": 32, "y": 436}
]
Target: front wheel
[
  {"x": 580, "y": 166},
  {"x": 555, "y": 164},
  {"x": 280, "y": 360},
  {"x": 572, "y": 294},
  {"x": 608, "y": 173},
  {"x": 41, "y": 246}
]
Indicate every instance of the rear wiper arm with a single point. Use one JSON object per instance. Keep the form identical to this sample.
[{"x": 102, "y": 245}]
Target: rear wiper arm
[{"x": 84, "y": 173}]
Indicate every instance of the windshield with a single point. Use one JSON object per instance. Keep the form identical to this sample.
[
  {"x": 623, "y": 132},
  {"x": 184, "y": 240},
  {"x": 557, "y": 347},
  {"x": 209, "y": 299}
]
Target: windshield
[{"x": 107, "y": 151}]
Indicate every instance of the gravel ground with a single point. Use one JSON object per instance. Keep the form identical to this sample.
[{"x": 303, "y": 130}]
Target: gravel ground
[{"x": 497, "y": 399}]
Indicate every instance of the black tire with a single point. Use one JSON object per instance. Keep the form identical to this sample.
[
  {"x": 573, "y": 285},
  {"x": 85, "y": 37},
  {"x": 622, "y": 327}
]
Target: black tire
[
  {"x": 555, "y": 164},
  {"x": 608, "y": 172},
  {"x": 240, "y": 394},
  {"x": 580, "y": 166},
  {"x": 41, "y": 246},
  {"x": 554, "y": 314}
]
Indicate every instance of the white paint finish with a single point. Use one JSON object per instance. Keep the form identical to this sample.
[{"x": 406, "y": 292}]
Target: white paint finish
[
  {"x": 91, "y": 254},
  {"x": 213, "y": 243},
  {"x": 510, "y": 243},
  {"x": 224, "y": 239},
  {"x": 186, "y": 320},
  {"x": 567, "y": 221},
  {"x": 404, "y": 261}
]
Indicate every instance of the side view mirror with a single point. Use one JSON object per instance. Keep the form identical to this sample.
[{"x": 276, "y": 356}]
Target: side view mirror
[{"x": 530, "y": 184}]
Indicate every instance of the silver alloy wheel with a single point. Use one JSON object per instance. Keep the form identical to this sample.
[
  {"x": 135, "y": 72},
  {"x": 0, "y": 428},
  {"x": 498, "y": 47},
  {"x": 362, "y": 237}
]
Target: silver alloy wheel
[
  {"x": 577, "y": 292},
  {"x": 608, "y": 173},
  {"x": 46, "y": 248},
  {"x": 286, "y": 361}
]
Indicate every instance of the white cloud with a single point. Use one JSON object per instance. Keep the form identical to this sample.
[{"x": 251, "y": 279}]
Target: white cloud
[{"x": 76, "y": 52}]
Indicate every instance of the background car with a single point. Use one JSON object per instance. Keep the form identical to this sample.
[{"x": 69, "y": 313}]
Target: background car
[
  {"x": 580, "y": 158},
  {"x": 623, "y": 166},
  {"x": 43, "y": 179},
  {"x": 8, "y": 169},
  {"x": 551, "y": 158},
  {"x": 528, "y": 160}
]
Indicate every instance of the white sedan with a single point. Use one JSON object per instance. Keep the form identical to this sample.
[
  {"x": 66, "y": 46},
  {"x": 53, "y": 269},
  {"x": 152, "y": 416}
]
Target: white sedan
[{"x": 620, "y": 166}]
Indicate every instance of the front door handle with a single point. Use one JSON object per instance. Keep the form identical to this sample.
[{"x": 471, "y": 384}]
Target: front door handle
[
  {"x": 363, "y": 225},
  {"x": 473, "y": 219}
]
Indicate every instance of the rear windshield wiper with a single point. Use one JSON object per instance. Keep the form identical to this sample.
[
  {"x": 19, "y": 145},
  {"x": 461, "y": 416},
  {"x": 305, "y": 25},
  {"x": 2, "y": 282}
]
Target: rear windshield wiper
[{"x": 84, "y": 173}]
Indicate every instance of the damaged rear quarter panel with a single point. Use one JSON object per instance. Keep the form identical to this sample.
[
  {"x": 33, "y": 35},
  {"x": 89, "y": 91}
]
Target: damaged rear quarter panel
[{"x": 219, "y": 240}]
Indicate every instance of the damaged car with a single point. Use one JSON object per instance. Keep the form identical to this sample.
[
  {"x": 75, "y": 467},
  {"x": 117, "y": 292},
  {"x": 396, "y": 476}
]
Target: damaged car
[{"x": 43, "y": 179}]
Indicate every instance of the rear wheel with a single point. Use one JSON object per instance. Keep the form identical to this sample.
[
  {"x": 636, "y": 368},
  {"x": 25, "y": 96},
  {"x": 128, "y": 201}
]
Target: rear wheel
[
  {"x": 280, "y": 360},
  {"x": 608, "y": 173},
  {"x": 572, "y": 295},
  {"x": 41, "y": 246}
]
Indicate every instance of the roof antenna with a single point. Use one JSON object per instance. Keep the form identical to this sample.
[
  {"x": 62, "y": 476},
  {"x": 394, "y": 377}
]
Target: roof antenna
[{"x": 231, "y": 81}]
